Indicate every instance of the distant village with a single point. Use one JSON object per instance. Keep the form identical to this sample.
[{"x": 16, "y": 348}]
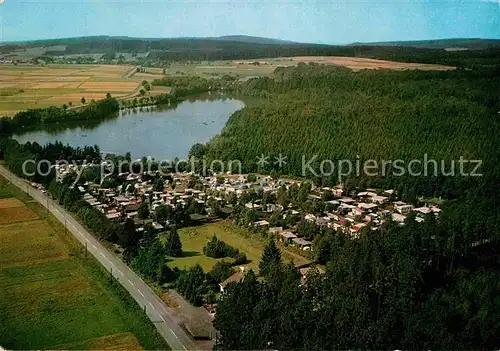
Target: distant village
[{"x": 348, "y": 214}]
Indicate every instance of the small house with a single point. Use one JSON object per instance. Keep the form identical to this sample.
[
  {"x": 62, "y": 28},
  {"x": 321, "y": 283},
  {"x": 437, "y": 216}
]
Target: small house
[
  {"x": 287, "y": 237},
  {"x": 113, "y": 215},
  {"x": 274, "y": 230},
  {"x": 301, "y": 243},
  {"x": 379, "y": 199},
  {"x": 235, "y": 278},
  {"x": 347, "y": 200},
  {"x": 423, "y": 210},
  {"x": 310, "y": 217},
  {"x": 132, "y": 207},
  {"x": 262, "y": 223},
  {"x": 402, "y": 207},
  {"x": 396, "y": 217},
  {"x": 157, "y": 226},
  {"x": 367, "y": 207}
]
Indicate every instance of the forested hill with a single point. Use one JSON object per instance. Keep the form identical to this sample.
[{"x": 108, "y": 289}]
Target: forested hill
[
  {"x": 162, "y": 50},
  {"x": 335, "y": 113},
  {"x": 459, "y": 43},
  {"x": 254, "y": 40}
]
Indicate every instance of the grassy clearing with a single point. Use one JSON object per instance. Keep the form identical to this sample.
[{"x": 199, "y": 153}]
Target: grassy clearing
[
  {"x": 65, "y": 302},
  {"x": 219, "y": 68},
  {"x": 194, "y": 238},
  {"x": 55, "y": 298}
]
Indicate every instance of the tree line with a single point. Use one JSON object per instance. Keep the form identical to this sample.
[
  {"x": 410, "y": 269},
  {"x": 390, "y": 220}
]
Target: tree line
[
  {"x": 183, "y": 86},
  {"x": 35, "y": 118}
]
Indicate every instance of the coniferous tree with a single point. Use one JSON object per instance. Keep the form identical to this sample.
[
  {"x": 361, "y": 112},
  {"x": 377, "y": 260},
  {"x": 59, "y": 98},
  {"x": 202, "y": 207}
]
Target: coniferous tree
[
  {"x": 173, "y": 244},
  {"x": 270, "y": 257}
]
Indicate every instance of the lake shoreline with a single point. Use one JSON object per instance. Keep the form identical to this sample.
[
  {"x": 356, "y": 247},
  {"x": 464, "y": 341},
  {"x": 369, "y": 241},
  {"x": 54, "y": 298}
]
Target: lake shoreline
[{"x": 159, "y": 131}]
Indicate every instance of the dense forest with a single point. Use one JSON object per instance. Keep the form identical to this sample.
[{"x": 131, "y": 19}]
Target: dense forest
[
  {"x": 398, "y": 288},
  {"x": 338, "y": 114}
]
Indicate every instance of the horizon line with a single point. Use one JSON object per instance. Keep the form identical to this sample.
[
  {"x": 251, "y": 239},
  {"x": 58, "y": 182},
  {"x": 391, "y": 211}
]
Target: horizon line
[{"x": 285, "y": 41}]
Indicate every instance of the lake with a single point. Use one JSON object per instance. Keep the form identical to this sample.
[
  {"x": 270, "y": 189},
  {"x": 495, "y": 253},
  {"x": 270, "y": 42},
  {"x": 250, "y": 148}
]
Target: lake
[{"x": 160, "y": 132}]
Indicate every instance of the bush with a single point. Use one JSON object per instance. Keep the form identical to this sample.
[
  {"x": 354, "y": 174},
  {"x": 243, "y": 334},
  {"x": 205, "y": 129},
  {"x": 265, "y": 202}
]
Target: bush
[
  {"x": 241, "y": 258},
  {"x": 252, "y": 177},
  {"x": 216, "y": 248}
]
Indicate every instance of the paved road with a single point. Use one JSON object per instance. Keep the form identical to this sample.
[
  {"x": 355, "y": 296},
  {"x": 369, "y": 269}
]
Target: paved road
[{"x": 156, "y": 309}]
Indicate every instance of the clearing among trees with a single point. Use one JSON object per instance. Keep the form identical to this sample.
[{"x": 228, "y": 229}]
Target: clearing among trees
[{"x": 195, "y": 238}]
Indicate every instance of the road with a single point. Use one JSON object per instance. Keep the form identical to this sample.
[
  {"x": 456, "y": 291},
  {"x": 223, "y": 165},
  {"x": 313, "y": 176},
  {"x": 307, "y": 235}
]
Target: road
[{"x": 155, "y": 308}]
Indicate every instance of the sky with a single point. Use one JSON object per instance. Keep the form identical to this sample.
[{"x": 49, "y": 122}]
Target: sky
[{"x": 327, "y": 22}]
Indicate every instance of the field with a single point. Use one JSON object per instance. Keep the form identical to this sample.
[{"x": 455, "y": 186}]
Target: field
[
  {"x": 211, "y": 69},
  {"x": 29, "y": 86},
  {"x": 55, "y": 298},
  {"x": 22, "y": 244},
  {"x": 122, "y": 341},
  {"x": 194, "y": 238},
  {"x": 13, "y": 210},
  {"x": 265, "y": 67},
  {"x": 358, "y": 63},
  {"x": 354, "y": 63}
]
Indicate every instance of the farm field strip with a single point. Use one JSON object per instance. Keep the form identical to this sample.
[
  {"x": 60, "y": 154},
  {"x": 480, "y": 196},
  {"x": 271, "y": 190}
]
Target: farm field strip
[
  {"x": 12, "y": 210},
  {"x": 25, "y": 86},
  {"x": 120, "y": 341},
  {"x": 21, "y": 244},
  {"x": 266, "y": 66},
  {"x": 44, "y": 84},
  {"x": 53, "y": 297},
  {"x": 10, "y": 202},
  {"x": 356, "y": 63}
]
